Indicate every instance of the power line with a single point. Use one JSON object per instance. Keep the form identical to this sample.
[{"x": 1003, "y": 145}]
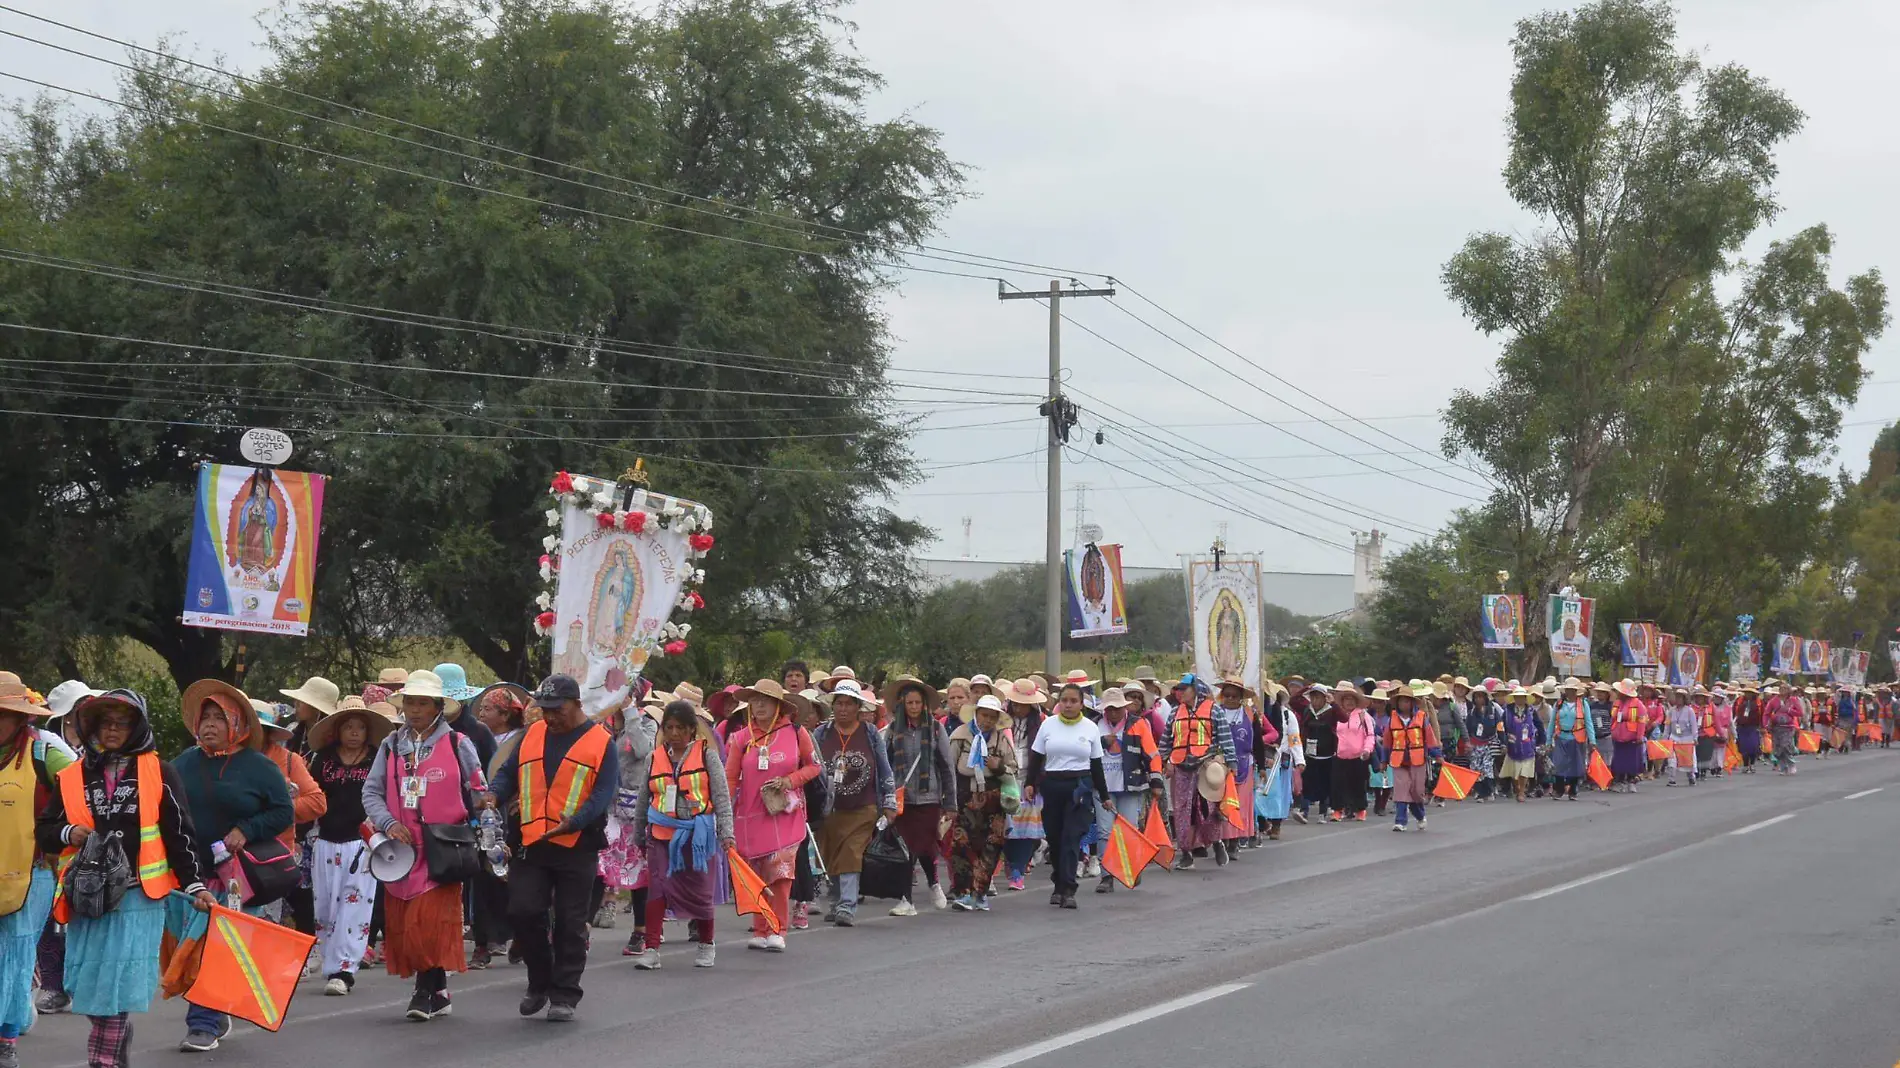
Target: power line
[{"x": 966, "y": 256}]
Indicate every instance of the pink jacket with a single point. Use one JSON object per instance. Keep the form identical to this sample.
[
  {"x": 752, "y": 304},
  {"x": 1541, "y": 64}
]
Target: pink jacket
[{"x": 1357, "y": 734}]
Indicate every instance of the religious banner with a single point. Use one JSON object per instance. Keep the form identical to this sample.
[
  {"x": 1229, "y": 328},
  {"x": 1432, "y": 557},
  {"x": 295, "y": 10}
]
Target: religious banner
[
  {"x": 1224, "y": 614},
  {"x": 1893, "y": 655},
  {"x": 1502, "y": 621},
  {"x": 1814, "y": 656},
  {"x": 1863, "y": 663},
  {"x": 1661, "y": 671},
  {"x": 1687, "y": 664},
  {"x": 1569, "y": 620},
  {"x": 621, "y": 565},
  {"x": 1787, "y": 654},
  {"x": 1096, "y": 605},
  {"x": 1642, "y": 643},
  {"x": 253, "y": 549},
  {"x": 1848, "y": 667},
  {"x": 1744, "y": 653}
]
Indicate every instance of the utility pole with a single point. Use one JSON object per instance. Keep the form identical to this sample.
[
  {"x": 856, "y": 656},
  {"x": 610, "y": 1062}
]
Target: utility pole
[{"x": 1061, "y": 413}]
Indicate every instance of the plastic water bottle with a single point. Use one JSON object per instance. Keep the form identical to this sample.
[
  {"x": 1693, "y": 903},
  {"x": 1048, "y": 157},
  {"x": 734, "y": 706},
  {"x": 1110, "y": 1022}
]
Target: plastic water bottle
[{"x": 494, "y": 845}]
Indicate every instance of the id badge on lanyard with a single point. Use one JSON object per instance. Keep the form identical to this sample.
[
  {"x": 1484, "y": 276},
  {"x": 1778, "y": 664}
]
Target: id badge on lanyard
[
  {"x": 413, "y": 787},
  {"x": 670, "y": 799},
  {"x": 765, "y": 760}
]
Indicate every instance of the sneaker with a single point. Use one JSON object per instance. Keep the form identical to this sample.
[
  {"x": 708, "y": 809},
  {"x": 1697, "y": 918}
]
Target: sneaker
[
  {"x": 1186, "y": 863},
  {"x": 1399, "y": 828},
  {"x": 1359, "y": 817},
  {"x": 54, "y": 1002},
  {"x": 1220, "y": 854},
  {"x": 1015, "y": 882},
  {"x": 605, "y": 919},
  {"x": 335, "y": 988},
  {"x": 439, "y": 1005},
  {"x": 532, "y": 1004},
  {"x": 775, "y": 943},
  {"x": 224, "y": 1028},
  {"x": 831, "y": 913},
  {"x": 705, "y": 955},
  {"x": 200, "y": 1042},
  {"x": 419, "y": 1007},
  {"x": 373, "y": 958},
  {"x": 903, "y": 908},
  {"x": 1055, "y": 897},
  {"x": 560, "y": 1013},
  {"x": 1301, "y": 816},
  {"x": 9, "y": 1053},
  {"x": 801, "y": 917},
  {"x": 1421, "y": 823},
  {"x": 937, "y": 899},
  {"x": 982, "y": 903},
  {"x": 1091, "y": 866},
  {"x": 514, "y": 952},
  {"x": 755, "y": 942},
  {"x": 1067, "y": 902},
  {"x": 647, "y": 960},
  {"x": 847, "y": 916},
  {"x": 966, "y": 903},
  {"x": 636, "y": 942},
  {"x": 1106, "y": 886}
]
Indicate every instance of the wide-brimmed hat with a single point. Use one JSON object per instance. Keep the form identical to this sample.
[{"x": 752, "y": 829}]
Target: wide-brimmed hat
[
  {"x": 1442, "y": 691},
  {"x": 390, "y": 678},
  {"x": 837, "y": 675},
  {"x": 1078, "y": 677},
  {"x": 324, "y": 732},
  {"x": 1237, "y": 683},
  {"x": 269, "y": 719},
  {"x": 1211, "y": 782},
  {"x": 848, "y": 688},
  {"x": 1626, "y": 687},
  {"x": 1379, "y": 693},
  {"x": 894, "y": 692},
  {"x": 1461, "y": 681},
  {"x": 1115, "y": 697},
  {"x": 422, "y": 684},
  {"x": 1574, "y": 683},
  {"x": 982, "y": 680},
  {"x": 691, "y": 694},
  {"x": 1547, "y": 690},
  {"x": 1293, "y": 680},
  {"x": 317, "y": 692},
  {"x": 791, "y": 703},
  {"x": 455, "y": 685},
  {"x": 1519, "y": 691},
  {"x": 991, "y": 702},
  {"x": 17, "y": 696},
  {"x": 61, "y": 699},
  {"x": 1421, "y": 688},
  {"x": 1026, "y": 691},
  {"x": 228, "y": 697}
]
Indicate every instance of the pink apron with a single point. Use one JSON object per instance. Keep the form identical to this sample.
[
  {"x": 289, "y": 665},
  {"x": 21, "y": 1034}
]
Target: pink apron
[
  {"x": 441, "y": 803},
  {"x": 755, "y": 831}
]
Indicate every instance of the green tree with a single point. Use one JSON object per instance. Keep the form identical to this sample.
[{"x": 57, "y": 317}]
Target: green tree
[
  {"x": 1648, "y": 170},
  {"x": 616, "y": 306}
]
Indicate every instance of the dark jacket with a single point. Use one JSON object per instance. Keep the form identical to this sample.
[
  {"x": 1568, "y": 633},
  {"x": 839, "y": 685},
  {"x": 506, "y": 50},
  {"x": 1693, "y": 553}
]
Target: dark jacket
[
  {"x": 592, "y": 815},
  {"x": 243, "y": 789},
  {"x": 476, "y": 732}
]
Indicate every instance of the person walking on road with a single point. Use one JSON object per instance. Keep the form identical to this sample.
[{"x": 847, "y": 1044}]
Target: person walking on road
[
  {"x": 918, "y": 743},
  {"x": 1131, "y": 765},
  {"x": 1065, "y": 769},
  {"x": 343, "y": 746},
  {"x": 863, "y": 793},
  {"x": 684, "y": 815},
  {"x": 1574, "y": 738},
  {"x": 1357, "y": 737},
  {"x": 1523, "y": 735},
  {"x": 1783, "y": 716},
  {"x": 768, "y": 762},
  {"x": 1681, "y": 723},
  {"x": 1200, "y": 731},
  {"x": 1319, "y": 732},
  {"x": 1411, "y": 742},
  {"x": 984, "y": 755}
]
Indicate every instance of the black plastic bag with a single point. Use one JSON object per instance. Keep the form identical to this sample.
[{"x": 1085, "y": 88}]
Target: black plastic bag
[{"x": 887, "y": 866}]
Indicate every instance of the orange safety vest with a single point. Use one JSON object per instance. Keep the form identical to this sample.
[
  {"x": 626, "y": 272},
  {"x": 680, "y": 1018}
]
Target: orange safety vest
[
  {"x": 1578, "y": 730},
  {"x": 1192, "y": 734},
  {"x": 154, "y": 867},
  {"x": 1708, "y": 723},
  {"x": 570, "y": 785},
  {"x": 694, "y": 785},
  {"x": 1407, "y": 740}
]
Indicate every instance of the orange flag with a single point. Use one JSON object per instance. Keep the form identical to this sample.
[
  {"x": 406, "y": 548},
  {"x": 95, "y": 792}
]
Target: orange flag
[
  {"x": 1454, "y": 782},
  {"x": 1155, "y": 830},
  {"x": 249, "y": 968},
  {"x": 1874, "y": 733},
  {"x": 748, "y": 892},
  {"x": 1807, "y": 741},
  {"x": 1731, "y": 756},
  {"x": 1597, "y": 771},
  {"x": 1240, "y": 818},
  {"x": 1658, "y": 751},
  {"x": 1128, "y": 851}
]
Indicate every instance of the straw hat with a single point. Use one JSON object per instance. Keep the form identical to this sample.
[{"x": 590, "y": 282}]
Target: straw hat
[
  {"x": 836, "y": 675},
  {"x": 1625, "y": 687},
  {"x": 1461, "y": 681},
  {"x": 1240, "y": 684},
  {"x": 1078, "y": 677},
  {"x": 1519, "y": 691},
  {"x": 982, "y": 680},
  {"x": 1211, "y": 781},
  {"x": 455, "y": 685},
  {"x": 422, "y": 684},
  {"x": 1421, "y": 688},
  {"x": 391, "y": 678},
  {"x": 1115, "y": 697},
  {"x": 323, "y": 733},
  {"x": 817, "y": 679},
  {"x": 848, "y": 688},
  {"x": 233, "y": 700},
  {"x": 267, "y": 718},
  {"x": 791, "y": 703},
  {"x": 1575, "y": 683},
  {"x": 317, "y": 692},
  {"x": 1026, "y": 691},
  {"x": 894, "y": 692},
  {"x": 16, "y": 696},
  {"x": 1442, "y": 691},
  {"x": 1379, "y": 693},
  {"x": 1146, "y": 673}
]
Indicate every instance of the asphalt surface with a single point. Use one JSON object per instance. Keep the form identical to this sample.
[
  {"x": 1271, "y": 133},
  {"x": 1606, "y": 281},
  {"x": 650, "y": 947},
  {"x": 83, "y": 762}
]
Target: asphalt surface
[{"x": 1676, "y": 926}]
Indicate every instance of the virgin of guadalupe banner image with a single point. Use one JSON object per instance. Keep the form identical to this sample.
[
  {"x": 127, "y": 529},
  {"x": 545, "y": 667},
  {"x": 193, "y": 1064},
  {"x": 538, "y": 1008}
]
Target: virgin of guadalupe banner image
[
  {"x": 1863, "y": 662},
  {"x": 619, "y": 565},
  {"x": 1096, "y": 605},
  {"x": 1840, "y": 666},
  {"x": 1687, "y": 664},
  {"x": 1224, "y": 612},
  {"x": 253, "y": 549},
  {"x": 1814, "y": 657},
  {"x": 1569, "y": 620},
  {"x": 1744, "y": 660},
  {"x": 1787, "y": 654},
  {"x": 1502, "y": 621},
  {"x": 1893, "y": 654},
  {"x": 1642, "y": 643}
]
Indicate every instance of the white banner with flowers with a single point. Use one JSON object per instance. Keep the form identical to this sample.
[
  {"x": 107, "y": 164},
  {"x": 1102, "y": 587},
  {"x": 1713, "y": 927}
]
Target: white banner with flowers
[{"x": 621, "y": 564}]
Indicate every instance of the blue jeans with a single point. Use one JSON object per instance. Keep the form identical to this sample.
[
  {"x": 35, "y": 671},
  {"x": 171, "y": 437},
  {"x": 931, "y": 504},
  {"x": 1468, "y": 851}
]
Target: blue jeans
[{"x": 199, "y": 1018}]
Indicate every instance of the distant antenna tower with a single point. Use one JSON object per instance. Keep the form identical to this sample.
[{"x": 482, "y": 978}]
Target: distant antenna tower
[
  {"x": 1082, "y": 512},
  {"x": 967, "y": 553}
]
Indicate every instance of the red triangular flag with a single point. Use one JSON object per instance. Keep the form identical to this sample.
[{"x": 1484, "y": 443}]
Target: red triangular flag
[
  {"x": 748, "y": 892},
  {"x": 250, "y": 967},
  {"x": 1128, "y": 851},
  {"x": 1155, "y": 829},
  {"x": 1598, "y": 772}
]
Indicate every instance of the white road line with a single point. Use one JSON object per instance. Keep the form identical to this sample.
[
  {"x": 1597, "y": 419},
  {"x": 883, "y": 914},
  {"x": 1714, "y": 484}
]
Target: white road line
[
  {"x": 1863, "y": 793},
  {"x": 1753, "y": 827},
  {"x": 1585, "y": 881},
  {"x": 1063, "y": 1041}
]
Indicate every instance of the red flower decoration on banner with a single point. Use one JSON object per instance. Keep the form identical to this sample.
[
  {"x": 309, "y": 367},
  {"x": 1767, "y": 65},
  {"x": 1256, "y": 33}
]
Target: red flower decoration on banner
[
  {"x": 697, "y": 601},
  {"x": 634, "y": 522},
  {"x": 545, "y": 621},
  {"x": 547, "y": 561},
  {"x": 700, "y": 542},
  {"x": 605, "y": 519},
  {"x": 563, "y": 482},
  {"x": 674, "y": 648}
]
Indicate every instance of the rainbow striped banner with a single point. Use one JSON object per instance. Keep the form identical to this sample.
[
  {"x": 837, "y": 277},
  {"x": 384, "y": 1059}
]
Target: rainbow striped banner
[{"x": 253, "y": 549}]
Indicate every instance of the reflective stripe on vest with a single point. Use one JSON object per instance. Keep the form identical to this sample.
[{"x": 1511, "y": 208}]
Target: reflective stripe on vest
[
  {"x": 1193, "y": 734},
  {"x": 1578, "y": 732},
  {"x": 1708, "y": 724},
  {"x": 154, "y": 867},
  {"x": 1408, "y": 741},
  {"x": 695, "y": 786},
  {"x": 542, "y": 812}
]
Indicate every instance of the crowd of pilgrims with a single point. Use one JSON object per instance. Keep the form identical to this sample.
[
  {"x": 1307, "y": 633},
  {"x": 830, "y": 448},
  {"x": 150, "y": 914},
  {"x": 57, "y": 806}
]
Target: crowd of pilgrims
[{"x": 829, "y": 789}]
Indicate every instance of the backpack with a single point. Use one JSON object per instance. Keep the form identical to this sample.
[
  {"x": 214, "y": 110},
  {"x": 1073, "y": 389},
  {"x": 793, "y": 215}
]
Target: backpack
[{"x": 98, "y": 877}]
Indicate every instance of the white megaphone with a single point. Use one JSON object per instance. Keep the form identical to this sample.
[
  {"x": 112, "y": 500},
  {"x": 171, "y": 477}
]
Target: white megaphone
[{"x": 390, "y": 860}]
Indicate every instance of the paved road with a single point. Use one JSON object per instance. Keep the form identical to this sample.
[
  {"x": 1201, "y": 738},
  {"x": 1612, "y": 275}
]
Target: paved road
[{"x": 1617, "y": 930}]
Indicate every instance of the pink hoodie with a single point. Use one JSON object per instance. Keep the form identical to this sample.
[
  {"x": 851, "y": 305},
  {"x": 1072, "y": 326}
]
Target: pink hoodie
[{"x": 1357, "y": 734}]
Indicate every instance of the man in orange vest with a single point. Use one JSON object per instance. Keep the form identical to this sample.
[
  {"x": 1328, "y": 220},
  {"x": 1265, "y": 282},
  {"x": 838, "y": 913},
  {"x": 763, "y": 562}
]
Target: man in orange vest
[{"x": 557, "y": 787}]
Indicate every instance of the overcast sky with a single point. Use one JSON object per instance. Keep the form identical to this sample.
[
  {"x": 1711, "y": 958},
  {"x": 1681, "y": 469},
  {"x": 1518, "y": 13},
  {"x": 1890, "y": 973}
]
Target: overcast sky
[{"x": 1288, "y": 178}]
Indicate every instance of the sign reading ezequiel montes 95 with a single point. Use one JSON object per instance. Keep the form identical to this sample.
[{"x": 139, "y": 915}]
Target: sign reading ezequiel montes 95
[{"x": 253, "y": 549}]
